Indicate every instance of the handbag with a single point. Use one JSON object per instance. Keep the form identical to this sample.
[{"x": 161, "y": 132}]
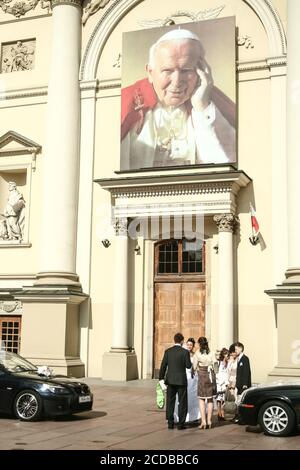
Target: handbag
[
  {"x": 216, "y": 367},
  {"x": 213, "y": 379}
]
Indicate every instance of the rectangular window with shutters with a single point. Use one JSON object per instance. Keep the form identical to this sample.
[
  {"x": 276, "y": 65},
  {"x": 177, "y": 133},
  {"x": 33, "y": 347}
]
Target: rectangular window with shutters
[{"x": 10, "y": 333}]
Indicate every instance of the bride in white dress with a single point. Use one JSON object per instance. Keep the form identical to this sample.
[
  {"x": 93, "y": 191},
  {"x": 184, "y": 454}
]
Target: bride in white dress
[{"x": 193, "y": 413}]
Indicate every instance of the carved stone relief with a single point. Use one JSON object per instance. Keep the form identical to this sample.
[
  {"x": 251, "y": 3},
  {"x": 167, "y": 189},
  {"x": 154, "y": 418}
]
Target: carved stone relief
[
  {"x": 18, "y": 56},
  {"x": 207, "y": 14},
  {"x": 92, "y": 7},
  {"x": 9, "y": 306},
  {"x": 117, "y": 63},
  {"x": 245, "y": 41},
  {"x": 120, "y": 226},
  {"x": 20, "y": 8},
  {"x": 12, "y": 221}
]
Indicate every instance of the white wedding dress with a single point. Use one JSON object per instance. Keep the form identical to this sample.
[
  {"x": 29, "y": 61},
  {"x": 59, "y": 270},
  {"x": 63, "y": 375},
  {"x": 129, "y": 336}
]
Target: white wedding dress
[{"x": 193, "y": 413}]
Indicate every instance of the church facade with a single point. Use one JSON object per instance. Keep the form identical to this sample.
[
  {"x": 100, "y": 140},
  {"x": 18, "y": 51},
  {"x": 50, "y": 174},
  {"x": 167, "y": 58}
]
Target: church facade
[{"x": 98, "y": 266}]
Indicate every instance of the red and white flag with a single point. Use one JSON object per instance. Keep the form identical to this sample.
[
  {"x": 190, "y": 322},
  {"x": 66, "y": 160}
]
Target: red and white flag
[{"x": 254, "y": 222}]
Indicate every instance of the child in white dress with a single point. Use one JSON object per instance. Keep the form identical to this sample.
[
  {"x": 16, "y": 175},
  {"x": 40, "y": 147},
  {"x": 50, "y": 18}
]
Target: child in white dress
[{"x": 222, "y": 382}]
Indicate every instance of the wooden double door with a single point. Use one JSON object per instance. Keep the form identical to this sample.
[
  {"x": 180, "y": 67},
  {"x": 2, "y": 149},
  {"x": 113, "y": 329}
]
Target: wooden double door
[{"x": 179, "y": 307}]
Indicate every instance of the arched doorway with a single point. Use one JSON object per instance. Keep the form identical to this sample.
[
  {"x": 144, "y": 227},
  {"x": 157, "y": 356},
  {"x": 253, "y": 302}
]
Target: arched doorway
[{"x": 179, "y": 290}]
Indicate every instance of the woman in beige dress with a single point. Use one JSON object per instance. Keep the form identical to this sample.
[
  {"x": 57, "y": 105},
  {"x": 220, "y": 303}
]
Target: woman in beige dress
[{"x": 203, "y": 362}]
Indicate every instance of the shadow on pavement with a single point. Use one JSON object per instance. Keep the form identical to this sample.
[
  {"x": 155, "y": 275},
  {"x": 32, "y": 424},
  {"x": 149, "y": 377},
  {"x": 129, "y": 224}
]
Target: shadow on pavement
[{"x": 81, "y": 416}]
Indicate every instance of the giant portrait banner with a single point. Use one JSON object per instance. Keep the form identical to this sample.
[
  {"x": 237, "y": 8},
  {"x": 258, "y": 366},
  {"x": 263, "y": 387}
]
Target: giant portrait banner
[{"x": 178, "y": 95}]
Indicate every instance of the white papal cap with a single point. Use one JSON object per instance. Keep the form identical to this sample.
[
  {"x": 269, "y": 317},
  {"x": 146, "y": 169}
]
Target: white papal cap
[
  {"x": 172, "y": 35},
  {"x": 178, "y": 34}
]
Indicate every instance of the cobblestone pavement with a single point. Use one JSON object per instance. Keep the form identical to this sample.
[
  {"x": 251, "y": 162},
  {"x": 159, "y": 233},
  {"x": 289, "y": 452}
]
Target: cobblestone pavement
[{"x": 125, "y": 417}]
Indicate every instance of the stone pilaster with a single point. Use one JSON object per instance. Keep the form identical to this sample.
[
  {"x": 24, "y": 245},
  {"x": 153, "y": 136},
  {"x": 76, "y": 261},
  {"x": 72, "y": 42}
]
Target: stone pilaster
[
  {"x": 226, "y": 224},
  {"x": 120, "y": 363}
]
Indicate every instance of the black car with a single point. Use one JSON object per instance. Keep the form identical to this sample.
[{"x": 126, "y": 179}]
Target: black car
[
  {"x": 275, "y": 407},
  {"x": 29, "y": 394}
]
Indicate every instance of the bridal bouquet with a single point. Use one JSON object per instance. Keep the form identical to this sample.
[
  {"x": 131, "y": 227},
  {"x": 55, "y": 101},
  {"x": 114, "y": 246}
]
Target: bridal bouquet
[{"x": 45, "y": 370}]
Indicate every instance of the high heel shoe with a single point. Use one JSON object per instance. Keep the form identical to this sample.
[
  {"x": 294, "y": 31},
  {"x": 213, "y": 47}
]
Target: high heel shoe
[
  {"x": 209, "y": 426},
  {"x": 202, "y": 426}
]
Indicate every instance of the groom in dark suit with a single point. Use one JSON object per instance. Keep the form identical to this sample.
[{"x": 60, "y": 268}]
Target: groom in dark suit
[
  {"x": 172, "y": 370},
  {"x": 243, "y": 373}
]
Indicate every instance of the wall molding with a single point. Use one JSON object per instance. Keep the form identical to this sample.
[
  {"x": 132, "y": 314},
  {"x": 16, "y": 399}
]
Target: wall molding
[
  {"x": 172, "y": 190},
  {"x": 23, "y": 93}
]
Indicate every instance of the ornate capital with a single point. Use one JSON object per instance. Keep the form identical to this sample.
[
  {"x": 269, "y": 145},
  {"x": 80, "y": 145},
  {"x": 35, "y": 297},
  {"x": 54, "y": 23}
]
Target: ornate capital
[
  {"x": 120, "y": 226},
  {"x": 76, "y": 3},
  {"x": 226, "y": 222}
]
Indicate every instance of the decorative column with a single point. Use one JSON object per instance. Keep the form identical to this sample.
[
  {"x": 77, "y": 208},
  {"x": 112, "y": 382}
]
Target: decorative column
[
  {"x": 120, "y": 363},
  {"x": 226, "y": 224},
  {"x": 50, "y": 320},
  {"x": 61, "y": 156},
  {"x": 287, "y": 296}
]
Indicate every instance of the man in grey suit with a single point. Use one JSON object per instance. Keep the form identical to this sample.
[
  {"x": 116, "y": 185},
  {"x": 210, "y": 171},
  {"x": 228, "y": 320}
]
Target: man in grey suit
[{"x": 173, "y": 371}]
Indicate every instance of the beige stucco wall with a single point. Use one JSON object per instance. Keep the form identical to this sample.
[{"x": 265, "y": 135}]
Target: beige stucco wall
[{"x": 261, "y": 120}]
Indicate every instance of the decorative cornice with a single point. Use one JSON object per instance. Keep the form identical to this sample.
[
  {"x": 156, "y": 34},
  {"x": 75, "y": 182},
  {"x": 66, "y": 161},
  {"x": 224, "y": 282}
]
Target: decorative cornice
[
  {"x": 226, "y": 222},
  {"x": 28, "y": 145},
  {"x": 251, "y": 66},
  {"x": 171, "y": 190},
  {"x": 265, "y": 64},
  {"x": 24, "y": 151},
  {"x": 18, "y": 94},
  {"x": 157, "y": 209},
  {"x": 89, "y": 85},
  {"x": 109, "y": 84}
]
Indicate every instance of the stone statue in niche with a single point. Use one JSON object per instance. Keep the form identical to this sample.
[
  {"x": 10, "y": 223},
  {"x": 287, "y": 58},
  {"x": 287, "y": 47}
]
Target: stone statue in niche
[
  {"x": 18, "y": 57},
  {"x": 12, "y": 227}
]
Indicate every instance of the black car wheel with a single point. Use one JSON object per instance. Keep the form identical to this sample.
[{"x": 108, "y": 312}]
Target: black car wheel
[
  {"x": 28, "y": 405},
  {"x": 276, "y": 418}
]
